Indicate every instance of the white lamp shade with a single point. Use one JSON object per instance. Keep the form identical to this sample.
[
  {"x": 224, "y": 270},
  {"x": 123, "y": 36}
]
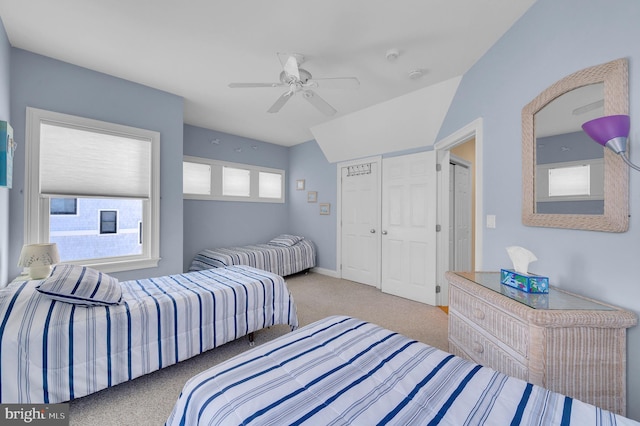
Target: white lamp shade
[{"x": 39, "y": 258}]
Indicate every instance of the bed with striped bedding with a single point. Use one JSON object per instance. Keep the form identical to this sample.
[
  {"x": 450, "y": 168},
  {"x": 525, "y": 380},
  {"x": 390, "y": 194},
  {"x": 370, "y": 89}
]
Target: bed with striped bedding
[
  {"x": 342, "y": 370},
  {"x": 54, "y": 351},
  {"x": 281, "y": 260}
]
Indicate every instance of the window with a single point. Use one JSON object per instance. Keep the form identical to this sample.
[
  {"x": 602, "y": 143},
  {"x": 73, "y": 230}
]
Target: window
[
  {"x": 236, "y": 182},
  {"x": 570, "y": 181},
  {"x": 108, "y": 222},
  {"x": 98, "y": 170},
  {"x": 64, "y": 206},
  {"x": 270, "y": 185},
  {"x": 206, "y": 179},
  {"x": 196, "y": 178}
]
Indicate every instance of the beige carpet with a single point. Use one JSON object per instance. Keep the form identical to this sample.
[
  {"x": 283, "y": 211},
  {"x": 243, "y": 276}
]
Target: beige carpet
[{"x": 148, "y": 400}]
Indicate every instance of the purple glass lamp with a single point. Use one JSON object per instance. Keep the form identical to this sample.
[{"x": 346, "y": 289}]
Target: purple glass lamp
[{"x": 611, "y": 131}]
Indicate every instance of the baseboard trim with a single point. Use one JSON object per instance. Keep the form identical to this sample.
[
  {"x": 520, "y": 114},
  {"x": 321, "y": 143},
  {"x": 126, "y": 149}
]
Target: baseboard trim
[{"x": 328, "y": 272}]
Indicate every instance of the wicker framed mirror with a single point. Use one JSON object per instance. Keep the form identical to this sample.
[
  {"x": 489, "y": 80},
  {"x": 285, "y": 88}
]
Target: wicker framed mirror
[{"x": 606, "y": 192}]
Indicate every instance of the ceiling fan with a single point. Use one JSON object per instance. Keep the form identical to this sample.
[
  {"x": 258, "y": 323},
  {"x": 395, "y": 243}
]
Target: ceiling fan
[{"x": 300, "y": 80}]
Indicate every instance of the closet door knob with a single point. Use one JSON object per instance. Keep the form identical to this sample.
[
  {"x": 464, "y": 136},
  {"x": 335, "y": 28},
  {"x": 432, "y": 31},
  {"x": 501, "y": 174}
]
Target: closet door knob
[
  {"x": 373, "y": 231},
  {"x": 384, "y": 232}
]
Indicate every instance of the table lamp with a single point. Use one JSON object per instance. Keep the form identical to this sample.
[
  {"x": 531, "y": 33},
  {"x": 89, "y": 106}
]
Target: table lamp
[{"x": 39, "y": 258}]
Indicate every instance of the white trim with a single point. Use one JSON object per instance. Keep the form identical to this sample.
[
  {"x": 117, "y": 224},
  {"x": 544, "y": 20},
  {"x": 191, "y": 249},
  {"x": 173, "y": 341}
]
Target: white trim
[
  {"x": 327, "y": 272},
  {"x": 473, "y": 129},
  {"x": 378, "y": 160},
  {"x": 36, "y": 212}
]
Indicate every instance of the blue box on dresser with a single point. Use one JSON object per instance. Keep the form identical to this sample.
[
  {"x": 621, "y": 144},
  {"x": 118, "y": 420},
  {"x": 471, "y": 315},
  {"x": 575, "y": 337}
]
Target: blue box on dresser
[{"x": 531, "y": 283}]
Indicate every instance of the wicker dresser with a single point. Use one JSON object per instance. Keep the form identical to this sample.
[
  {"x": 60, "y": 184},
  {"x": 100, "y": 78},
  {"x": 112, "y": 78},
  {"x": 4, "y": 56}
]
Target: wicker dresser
[{"x": 561, "y": 341}]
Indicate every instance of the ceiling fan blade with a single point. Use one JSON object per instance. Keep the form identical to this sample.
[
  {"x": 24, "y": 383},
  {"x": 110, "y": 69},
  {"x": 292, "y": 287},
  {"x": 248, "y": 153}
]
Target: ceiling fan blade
[
  {"x": 281, "y": 101},
  {"x": 315, "y": 100},
  {"x": 334, "y": 83},
  {"x": 243, "y": 85}
]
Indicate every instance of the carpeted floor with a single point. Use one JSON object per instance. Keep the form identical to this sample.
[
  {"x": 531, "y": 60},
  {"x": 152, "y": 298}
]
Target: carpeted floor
[{"x": 148, "y": 400}]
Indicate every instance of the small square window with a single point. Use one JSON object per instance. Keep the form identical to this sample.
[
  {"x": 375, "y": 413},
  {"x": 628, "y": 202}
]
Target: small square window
[
  {"x": 67, "y": 206},
  {"x": 569, "y": 181},
  {"x": 236, "y": 182},
  {"x": 270, "y": 185},
  {"x": 108, "y": 222}
]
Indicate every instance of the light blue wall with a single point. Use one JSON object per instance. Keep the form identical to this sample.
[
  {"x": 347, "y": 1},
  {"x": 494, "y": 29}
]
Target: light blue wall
[
  {"x": 41, "y": 82},
  {"x": 210, "y": 224},
  {"x": 5, "y": 59},
  {"x": 309, "y": 163},
  {"x": 552, "y": 40}
]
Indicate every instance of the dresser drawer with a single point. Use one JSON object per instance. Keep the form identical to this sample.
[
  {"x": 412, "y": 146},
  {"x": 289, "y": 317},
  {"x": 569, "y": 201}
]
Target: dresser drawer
[
  {"x": 506, "y": 328},
  {"x": 469, "y": 343}
]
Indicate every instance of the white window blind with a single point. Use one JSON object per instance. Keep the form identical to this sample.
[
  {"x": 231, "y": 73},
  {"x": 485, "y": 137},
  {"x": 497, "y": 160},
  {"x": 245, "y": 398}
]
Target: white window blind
[
  {"x": 78, "y": 162},
  {"x": 568, "y": 181},
  {"x": 236, "y": 182},
  {"x": 196, "y": 178},
  {"x": 270, "y": 185}
]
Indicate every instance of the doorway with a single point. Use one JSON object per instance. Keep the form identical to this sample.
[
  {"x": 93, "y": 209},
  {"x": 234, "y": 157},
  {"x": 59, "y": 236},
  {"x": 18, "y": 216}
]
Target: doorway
[
  {"x": 466, "y": 145},
  {"x": 443, "y": 148}
]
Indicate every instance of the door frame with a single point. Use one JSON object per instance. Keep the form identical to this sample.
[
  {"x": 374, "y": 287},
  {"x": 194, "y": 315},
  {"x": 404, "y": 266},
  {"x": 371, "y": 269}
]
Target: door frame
[
  {"x": 377, "y": 160},
  {"x": 462, "y": 135}
]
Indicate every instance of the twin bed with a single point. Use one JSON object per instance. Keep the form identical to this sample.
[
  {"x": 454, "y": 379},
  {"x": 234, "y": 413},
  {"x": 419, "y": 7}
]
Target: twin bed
[
  {"x": 342, "y": 370},
  {"x": 58, "y": 349},
  {"x": 283, "y": 255}
]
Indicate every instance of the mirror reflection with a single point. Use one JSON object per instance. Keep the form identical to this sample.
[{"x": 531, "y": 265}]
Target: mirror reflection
[
  {"x": 568, "y": 180},
  {"x": 569, "y": 174}
]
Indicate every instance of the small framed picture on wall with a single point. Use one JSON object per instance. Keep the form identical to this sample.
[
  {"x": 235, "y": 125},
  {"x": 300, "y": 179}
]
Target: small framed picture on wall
[
  {"x": 312, "y": 196},
  {"x": 300, "y": 184},
  {"x": 325, "y": 208}
]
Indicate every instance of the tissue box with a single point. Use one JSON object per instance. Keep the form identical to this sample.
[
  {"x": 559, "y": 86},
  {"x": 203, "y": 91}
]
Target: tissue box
[
  {"x": 535, "y": 300},
  {"x": 531, "y": 283}
]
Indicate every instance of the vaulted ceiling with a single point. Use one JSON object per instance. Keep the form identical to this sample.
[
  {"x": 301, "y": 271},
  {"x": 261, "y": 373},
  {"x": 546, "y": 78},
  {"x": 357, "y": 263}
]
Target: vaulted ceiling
[{"x": 195, "y": 48}]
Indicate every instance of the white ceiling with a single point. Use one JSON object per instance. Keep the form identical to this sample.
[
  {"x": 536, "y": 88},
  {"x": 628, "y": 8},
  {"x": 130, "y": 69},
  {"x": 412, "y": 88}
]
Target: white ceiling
[{"x": 195, "y": 48}]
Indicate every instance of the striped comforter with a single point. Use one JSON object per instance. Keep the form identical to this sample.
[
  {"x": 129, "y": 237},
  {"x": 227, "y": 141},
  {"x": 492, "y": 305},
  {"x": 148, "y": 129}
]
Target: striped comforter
[
  {"x": 56, "y": 351},
  {"x": 279, "y": 260},
  {"x": 341, "y": 370}
]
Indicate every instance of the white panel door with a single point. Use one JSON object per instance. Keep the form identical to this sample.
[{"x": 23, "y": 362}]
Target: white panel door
[
  {"x": 409, "y": 226},
  {"x": 462, "y": 218},
  {"x": 360, "y": 212}
]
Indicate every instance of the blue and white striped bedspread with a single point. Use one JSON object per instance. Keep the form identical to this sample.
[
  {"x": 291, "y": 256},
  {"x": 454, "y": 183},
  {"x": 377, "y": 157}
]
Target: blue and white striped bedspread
[
  {"x": 342, "y": 370},
  {"x": 279, "y": 260},
  {"x": 56, "y": 351}
]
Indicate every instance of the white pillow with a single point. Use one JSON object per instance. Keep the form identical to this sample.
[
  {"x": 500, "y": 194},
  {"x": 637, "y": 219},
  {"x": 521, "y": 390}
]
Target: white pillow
[
  {"x": 285, "y": 240},
  {"x": 82, "y": 286}
]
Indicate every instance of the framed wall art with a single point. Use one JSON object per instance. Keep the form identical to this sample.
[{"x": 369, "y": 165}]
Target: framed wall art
[{"x": 325, "y": 208}]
